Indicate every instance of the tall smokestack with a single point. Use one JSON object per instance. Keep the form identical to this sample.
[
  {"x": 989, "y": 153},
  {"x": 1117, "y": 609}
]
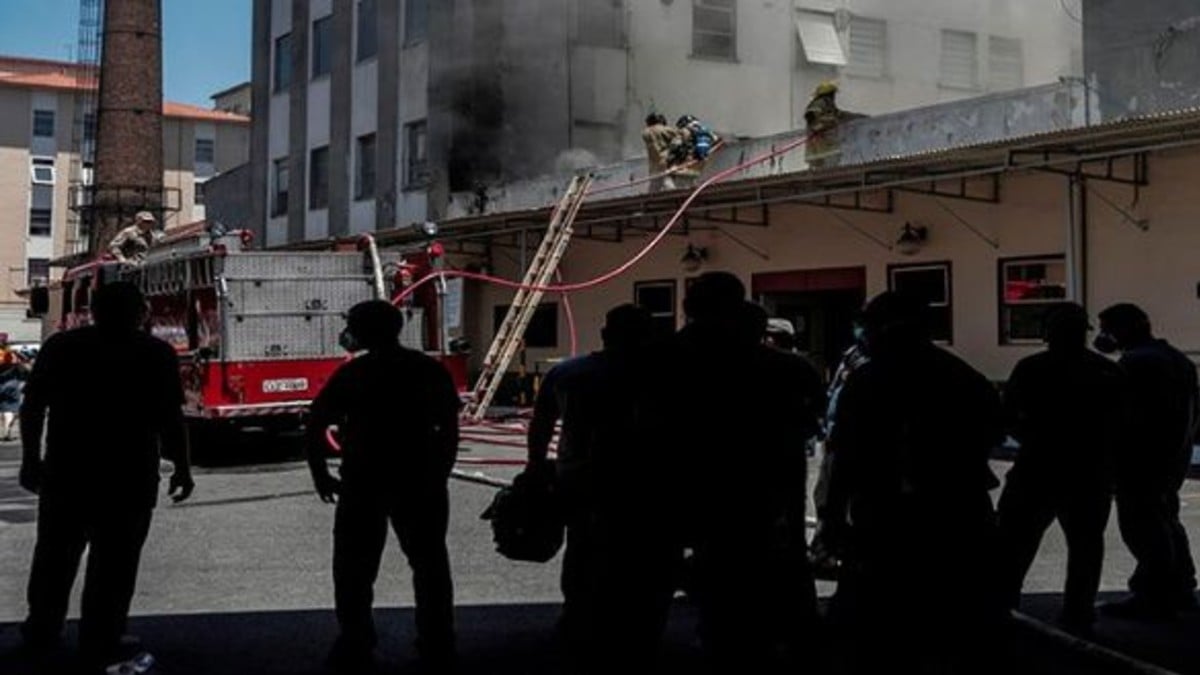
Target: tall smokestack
[{"x": 129, "y": 153}]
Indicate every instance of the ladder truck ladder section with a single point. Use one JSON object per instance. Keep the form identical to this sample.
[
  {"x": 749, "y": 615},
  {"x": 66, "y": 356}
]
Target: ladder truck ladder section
[{"x": 541, "y": 271}]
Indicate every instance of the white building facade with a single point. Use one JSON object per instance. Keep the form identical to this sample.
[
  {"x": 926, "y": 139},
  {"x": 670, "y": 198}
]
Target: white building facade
[{"x": 374, "y": 113}]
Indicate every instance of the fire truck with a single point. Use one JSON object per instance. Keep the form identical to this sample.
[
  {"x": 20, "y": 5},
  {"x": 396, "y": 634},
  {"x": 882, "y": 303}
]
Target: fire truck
[{"x": 256, "y": 331}]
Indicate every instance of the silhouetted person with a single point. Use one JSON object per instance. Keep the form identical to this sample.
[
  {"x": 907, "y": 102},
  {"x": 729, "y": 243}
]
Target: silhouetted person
[
  {"x": 591, "y": 395},
  {"x": 913, "y": 429},
  {"x": 735, "y": 415},
  {"x": 396, "y": 411},
  {"x": 1065, "y": 406},
  {"x": 823, "y": 551},
  {"x": 1152, "y": 463},
  {"x": 114, "y": 398}
]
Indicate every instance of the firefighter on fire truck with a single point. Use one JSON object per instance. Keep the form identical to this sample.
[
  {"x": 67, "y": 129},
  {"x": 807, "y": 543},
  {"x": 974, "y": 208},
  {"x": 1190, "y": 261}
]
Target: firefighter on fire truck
[{"x": 133, "y": 243}]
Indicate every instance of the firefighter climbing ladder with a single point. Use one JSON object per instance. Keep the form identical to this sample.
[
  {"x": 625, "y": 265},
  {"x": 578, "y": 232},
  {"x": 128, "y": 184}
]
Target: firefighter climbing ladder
[{"x": 541, "y": 271}]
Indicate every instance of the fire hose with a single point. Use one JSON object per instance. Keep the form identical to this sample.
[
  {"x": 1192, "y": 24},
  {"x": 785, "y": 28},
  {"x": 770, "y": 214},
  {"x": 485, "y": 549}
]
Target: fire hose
[{"x": 563, "y": 288}]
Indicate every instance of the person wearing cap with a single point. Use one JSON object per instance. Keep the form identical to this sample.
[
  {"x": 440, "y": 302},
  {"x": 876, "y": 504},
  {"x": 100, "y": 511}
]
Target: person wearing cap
[
  {"x": 1065, "y": 407},
  {"x": 133, "y": 243},
  {"x": 908, "y": 493},
  {"x": 1152, "y": 463},
  {"x": 396, "y": 411}
]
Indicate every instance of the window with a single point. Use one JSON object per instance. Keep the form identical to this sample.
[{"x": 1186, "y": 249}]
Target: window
[
  {"x": 1006, "y": 65},
  {"x": 929, "y": 283},
  {"x": 368, "y": 35},
  {"x": 601, "y": 23},
  {"x": 416, "y": 21},
  {"x": 416, "y": 151},
  {"x": 89, "y": 127},
  {"x": 868, "y": 47},
  {"x": 279, "y": 205},
  {"x": 960, "y": 60},
  {"x": 205, "y": 150},
  {"x": 322, "y": 47},
  {"x": 43, "y": 123},
  {"x": 37, "y": 272},
  {"x": 41, "y": 171},
  {"x": 714, "y": 29},
  {"x": 542, "y": 332},
  {"x": 318, "y": 178},
  {"x": 364, "y": 174},
  {"x": 819, "y": 39},
  {"x": 41, "y": 210},
  {"x": 40, "y": 224},
  {"x": 198, "y": 192},
  {"x": 657, "y": 298},
  {"x": 1029, "y": 288},
  {"x": 283, "y": 62}
]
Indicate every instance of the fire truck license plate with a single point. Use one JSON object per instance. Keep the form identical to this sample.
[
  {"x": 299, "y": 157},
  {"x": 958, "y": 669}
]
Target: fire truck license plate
[{"x": 285, "y": 385}]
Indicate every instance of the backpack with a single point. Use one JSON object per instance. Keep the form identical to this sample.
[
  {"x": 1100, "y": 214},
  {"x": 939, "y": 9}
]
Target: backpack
[{"x": 702, "y": 140}]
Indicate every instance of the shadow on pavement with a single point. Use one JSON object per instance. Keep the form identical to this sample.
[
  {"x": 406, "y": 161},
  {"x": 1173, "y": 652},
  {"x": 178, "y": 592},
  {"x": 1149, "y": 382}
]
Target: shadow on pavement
[
  {"x": 494, "y": 640},
  {"x": 499, "y": 640},
  {"x": 1172, "y": 645}
]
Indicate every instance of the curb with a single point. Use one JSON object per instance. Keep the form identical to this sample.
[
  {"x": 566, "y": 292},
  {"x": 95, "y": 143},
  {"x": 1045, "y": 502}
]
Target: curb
[{"x": 1090, "y": 650}]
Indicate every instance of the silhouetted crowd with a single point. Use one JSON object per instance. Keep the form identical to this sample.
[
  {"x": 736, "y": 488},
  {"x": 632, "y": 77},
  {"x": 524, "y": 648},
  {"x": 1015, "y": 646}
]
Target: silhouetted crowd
[{"x": 681, "y": 466}]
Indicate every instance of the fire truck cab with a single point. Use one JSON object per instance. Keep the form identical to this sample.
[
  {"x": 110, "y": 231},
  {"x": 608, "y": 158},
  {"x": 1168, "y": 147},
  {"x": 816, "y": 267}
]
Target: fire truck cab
[{"x": 256, "y": 331}]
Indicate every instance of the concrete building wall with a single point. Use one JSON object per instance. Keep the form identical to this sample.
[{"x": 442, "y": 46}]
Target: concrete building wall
[
  {"x": 14, "y": 191},
  {"x": 512, "y": 90},
  {"x": 1141, "y": 56},
  {"x": 1156, "y": 267}
]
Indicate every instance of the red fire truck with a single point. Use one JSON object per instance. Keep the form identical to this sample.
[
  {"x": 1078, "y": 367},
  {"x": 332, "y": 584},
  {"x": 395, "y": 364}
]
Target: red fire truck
[{"x": 256, "y": 331}]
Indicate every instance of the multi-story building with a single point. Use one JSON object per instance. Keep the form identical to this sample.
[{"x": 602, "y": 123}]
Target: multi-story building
[
  {"x": 374, "y": 113},
  {"x": 40, "y": 138}
]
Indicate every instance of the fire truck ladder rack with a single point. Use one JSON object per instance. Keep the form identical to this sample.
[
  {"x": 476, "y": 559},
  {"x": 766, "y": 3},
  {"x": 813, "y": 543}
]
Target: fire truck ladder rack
[{"x": 541, "y": 271}]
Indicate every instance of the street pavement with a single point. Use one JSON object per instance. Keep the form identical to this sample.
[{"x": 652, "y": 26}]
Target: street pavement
[{"x": 237, "y": 580}]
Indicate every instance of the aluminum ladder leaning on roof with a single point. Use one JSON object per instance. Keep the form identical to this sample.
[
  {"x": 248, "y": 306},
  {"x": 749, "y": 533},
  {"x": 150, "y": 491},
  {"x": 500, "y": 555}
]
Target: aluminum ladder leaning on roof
[{"x": 541, "y": 271}]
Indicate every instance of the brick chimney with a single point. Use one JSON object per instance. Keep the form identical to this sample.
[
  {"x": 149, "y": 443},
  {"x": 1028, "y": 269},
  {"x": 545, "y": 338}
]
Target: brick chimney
[{"x": 129, "y": 145}]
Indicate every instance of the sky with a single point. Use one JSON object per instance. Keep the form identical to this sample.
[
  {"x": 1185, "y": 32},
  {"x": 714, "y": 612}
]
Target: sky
[{"x": 206, "y": 43}]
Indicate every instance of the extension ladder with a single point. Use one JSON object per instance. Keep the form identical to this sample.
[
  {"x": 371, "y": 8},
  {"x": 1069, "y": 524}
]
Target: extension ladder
[{"x": 541, "y": 271}]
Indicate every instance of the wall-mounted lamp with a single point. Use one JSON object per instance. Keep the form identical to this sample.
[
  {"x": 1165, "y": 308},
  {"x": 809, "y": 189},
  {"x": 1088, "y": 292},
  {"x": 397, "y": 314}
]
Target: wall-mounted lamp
[
  {"x": 693, "y": 257},
  {"x": 912, "y": 238}
]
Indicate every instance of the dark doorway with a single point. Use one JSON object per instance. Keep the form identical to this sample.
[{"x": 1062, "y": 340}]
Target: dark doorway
[{"x": 820, "y": 304}]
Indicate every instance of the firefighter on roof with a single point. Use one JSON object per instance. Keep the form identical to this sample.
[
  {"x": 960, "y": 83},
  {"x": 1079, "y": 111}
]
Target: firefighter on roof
[
  {"x": 132, "y": 243},
  {"x": 822, "y": 117}
]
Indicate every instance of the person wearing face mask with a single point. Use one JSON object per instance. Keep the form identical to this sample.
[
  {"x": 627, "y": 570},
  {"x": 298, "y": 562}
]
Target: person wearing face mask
[
  {"x": 908, "y": 494},
  {"x": 1152, "y": 464},
  {"x": 396, "y": 411},
  {"x": 1066, "y": 408}
]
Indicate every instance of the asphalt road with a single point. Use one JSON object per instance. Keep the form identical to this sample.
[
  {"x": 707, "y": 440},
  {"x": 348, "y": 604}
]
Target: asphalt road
[{"x": 253, "y": 545}]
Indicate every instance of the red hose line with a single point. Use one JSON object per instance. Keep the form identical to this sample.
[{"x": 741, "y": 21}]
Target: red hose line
[
  {"x": 627, "y": 265},
  {"x": 570, "y": 315},
  {"x": 669, "y": 172}
]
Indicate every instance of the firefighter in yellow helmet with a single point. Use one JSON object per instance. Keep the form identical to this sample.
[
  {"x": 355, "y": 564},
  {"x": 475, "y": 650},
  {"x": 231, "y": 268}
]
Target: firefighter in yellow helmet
[{"x": 822, "y": 117}]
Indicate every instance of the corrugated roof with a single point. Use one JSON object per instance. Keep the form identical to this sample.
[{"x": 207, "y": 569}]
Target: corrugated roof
[{"x": 193, "y": 112}]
